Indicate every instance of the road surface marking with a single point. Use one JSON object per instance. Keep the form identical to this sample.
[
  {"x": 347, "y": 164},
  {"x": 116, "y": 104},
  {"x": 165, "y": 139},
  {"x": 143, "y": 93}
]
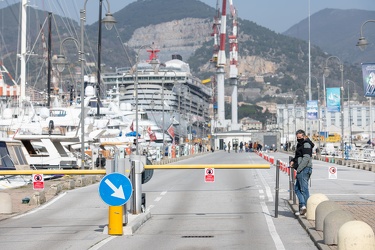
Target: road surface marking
[
  {"x": 41, "y": 207},
  {"x": 266, "y": 186},
  {"x": 163, "y": 193},
  {"x": 102, "y": 243},
  {"x": 158, "y": 198},
  {"x": 271, "y": 228}
]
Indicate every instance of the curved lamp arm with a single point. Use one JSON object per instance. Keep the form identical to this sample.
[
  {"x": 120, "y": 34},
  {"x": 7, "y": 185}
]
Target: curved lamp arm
[{"x": 362, "y": 42}]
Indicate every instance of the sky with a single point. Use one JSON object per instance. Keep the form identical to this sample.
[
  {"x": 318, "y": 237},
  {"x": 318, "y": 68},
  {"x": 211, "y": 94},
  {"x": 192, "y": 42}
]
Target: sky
[{"x": 276, "y": 15}]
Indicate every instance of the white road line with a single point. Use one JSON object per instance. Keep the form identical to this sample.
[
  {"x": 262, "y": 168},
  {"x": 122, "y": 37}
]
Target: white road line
[
  {"x": 261, "y": 191},
  {"x": 271, "y": 228},
  {"x": 326, "y": 179},
  {"x": 158, "y": 198},
  {"x": 163, "y": 193},
  {"x": 353, "y": 194},
  {"x": 41, "y": 207},
  {"x": 149, "y": 207},
  {"x": 266, "y": 186},
  {"x": 261, "y": 197},
  {"x": 102, "y": 243}
]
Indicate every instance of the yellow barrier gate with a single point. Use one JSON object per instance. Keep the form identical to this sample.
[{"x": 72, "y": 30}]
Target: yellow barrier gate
[
  {"x": 103, "y": 171},
  {"x": 115, "y": 213}
]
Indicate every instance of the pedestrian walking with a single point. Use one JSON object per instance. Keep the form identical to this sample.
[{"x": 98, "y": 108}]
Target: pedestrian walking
[
  {"x": 241, "y": 147},
  {"x": 302, "y": 163},
  {"x": 225, "y": 147},
  {"x": 228, "y": 147}
]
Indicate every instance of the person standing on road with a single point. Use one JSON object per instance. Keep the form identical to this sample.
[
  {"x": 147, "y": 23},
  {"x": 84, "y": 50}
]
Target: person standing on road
[
  {"x": 302, "y": 163},
  {"x": 241, "y": 147}
]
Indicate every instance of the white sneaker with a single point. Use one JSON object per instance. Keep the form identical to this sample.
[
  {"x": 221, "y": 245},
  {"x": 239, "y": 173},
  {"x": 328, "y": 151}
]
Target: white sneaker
[{"x": 302, "y": 211}]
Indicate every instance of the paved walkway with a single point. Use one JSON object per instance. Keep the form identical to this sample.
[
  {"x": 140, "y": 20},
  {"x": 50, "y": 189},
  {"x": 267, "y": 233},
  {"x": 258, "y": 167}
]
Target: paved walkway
[
  {"x": 364, "y": 211},
  {"x": 353, "y": 190}
]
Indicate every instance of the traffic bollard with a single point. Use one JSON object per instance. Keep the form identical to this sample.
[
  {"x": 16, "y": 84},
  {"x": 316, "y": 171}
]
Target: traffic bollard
[{"x": 115, "y": 226}]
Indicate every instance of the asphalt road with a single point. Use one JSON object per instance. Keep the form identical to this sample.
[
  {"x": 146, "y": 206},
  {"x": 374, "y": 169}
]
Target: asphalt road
[{"x": 235, "y": 212}]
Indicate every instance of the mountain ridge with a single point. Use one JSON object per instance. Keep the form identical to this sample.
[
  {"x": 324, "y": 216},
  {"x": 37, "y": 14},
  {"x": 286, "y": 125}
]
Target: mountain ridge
[
  {"x": 337, "y": 32},
  {"x": 266, "y": 58}
]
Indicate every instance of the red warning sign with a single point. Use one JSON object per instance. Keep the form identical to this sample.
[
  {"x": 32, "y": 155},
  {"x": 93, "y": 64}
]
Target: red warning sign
[
  {"x": 332, "y": 170},
  {"x": 38, "y": 182},
  {"x": 209, "y": 175},
  {"x": 332, "y": 173}
]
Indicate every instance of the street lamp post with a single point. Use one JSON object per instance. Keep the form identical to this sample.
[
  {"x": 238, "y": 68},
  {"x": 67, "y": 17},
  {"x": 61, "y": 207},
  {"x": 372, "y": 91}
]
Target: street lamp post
[
  {"x": 326, "y": 73},
  {"x": 178, "y": 86},
  {"x": 362, "y": 41},
  {"x": 109, "y": 21},
  {"x": 287, "y": 115},
  {"x": 136, "y": 173},
  {"x": 162, "y": 108},
  {"x": 304, "y": 98},
  {"x": 153, "y": 62},
  {"x": 162, "y": 102},
  {"x": 318, "y": 87},
  {"x": 61, "y": 62},
  {"x": 349, "y": 111}
]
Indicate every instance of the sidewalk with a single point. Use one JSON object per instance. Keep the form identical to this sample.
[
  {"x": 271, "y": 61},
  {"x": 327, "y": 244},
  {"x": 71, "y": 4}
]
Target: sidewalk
[
  {"x": 353, "y": 190},
  {"x": 363, "y": 211}
]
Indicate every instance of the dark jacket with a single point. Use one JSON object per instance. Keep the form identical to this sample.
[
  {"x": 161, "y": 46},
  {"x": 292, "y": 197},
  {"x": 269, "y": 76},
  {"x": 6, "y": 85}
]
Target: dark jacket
[{"x": 303, "y": 155}]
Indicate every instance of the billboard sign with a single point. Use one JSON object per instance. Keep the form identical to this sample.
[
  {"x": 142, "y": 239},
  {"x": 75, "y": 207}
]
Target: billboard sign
[
  {"x": 312, "y": 110},
  {"x": 368, "y": 74},
  {"x": 333, "y": 100}
]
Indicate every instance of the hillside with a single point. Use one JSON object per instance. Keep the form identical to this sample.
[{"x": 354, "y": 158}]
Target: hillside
[
  {"x": 270, "y": 64},
  {"x": 337, "y": 32}
]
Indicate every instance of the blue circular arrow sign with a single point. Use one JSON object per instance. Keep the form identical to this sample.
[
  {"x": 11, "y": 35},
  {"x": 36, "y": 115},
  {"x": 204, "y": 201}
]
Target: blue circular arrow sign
[{"x": 115, "y": 189}]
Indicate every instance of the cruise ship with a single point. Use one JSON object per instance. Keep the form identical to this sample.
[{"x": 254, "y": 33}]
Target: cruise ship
[{"x": 169, "y": 94}]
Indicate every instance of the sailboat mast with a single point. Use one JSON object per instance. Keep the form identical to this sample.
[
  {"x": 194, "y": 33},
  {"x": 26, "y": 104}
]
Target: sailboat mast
[{"x": 23, "y": 52}]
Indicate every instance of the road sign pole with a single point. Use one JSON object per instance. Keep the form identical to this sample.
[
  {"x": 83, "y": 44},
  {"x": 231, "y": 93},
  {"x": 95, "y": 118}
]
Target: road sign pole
[
  {"x": 277, "y": 188},
  {"x": 115, "y": 226},
  {"x": 138, "y": 162}
]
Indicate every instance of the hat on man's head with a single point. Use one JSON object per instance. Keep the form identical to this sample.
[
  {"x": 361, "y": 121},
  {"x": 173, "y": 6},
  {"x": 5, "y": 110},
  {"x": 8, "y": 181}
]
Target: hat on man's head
[{"x": 300, "y": 131}]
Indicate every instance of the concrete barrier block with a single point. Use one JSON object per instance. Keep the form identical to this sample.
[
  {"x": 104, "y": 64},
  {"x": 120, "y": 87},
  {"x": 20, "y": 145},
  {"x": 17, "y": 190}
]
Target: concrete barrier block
[
  {"x": 332, "y": 223},
  {"x": 38, "y": 198},
  {"x": 69, "y": 184},
  {"x": 90, "y": 179},
  {"x": 95, "y": 178},
  {"x": 370, "y": 167},
  {"x": 312, "y": 203},
  {"x": 55, "y": 188},
  {"x": 322, "y": 210},
  {"x": 356, "y": 235},
  {"x": 81, "y": 182},
  {"x": 5, "y": 203}
]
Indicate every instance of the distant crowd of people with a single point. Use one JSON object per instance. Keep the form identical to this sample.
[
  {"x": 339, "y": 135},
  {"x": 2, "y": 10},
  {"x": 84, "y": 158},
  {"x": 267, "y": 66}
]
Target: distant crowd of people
[{"x": 247, "y": 147}]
